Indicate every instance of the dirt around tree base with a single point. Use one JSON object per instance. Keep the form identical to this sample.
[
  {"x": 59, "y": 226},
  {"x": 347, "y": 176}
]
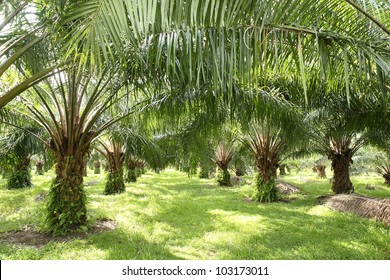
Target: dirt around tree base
[
  {"x": 30, "y": 237},
  {"x": 367, "y": 207}
]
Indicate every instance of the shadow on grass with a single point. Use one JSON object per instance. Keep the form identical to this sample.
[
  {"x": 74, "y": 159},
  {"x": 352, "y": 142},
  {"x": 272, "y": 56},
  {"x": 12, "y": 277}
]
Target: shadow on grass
[
  {"x": 261, "y": 231},
  {"x": 122, "y": 245}
]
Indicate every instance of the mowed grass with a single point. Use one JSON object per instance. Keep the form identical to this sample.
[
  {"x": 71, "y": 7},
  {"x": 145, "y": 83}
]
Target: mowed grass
[{"x": 171, "y": 216}]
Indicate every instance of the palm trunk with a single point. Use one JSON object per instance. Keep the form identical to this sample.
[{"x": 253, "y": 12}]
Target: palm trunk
[
  {"x": 265, "y": 180},
  {"x": 21, "y": 177},
  {"x": 223, "y": 177},
  {"x": 85, "y": 171},
  {"x": 341, "y": 184},
  {"x": 39, "y": 168},
  {"x": 96, "y": 165},
  {"x": 115, "y": 183},
  {"x": 138, "y": 172},
  {"x": 386, "y": 176},
  {"x": 320, "y": 168},
  {"x": 282, "y": 169},
  {"x": 203, "y": 173},
  {"x": 131, "y": 175},
  {"x": 67, "y": 210}
]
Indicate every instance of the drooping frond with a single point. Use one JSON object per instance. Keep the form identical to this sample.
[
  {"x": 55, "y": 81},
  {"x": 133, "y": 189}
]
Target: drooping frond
[{"x": 221, "y": 43}]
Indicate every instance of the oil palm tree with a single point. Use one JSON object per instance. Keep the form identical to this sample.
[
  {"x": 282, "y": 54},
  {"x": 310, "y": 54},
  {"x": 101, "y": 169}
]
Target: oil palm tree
[
  {"x": 114, "y": 152},
  {"x": 17, "y": 148},
  {"x": 340, "y": 128},
  {"x": 71, "y": 108},
  {"x": 223, "y": 154},
  {"x": 384, "y": 171},
  {"x": 268, "y": 145}
]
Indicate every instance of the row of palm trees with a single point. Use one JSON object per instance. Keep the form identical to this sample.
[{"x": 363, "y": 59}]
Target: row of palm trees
[{"x": 89, "y": 65}]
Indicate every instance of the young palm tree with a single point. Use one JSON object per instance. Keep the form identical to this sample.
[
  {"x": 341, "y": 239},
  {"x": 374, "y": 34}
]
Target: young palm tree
[
  {"x": 132, "y": 165},
  {"x": 18, "y": 146},
  {"x": 267, "y": 146},
  {"x": 114, "y": 152},
  {"x": 223, "y": 154},
  {"x": 384, "y": 171}
]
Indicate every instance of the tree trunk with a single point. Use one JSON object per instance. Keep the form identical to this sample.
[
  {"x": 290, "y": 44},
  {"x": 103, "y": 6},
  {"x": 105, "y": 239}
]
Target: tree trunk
[
  {"x": 320, "y": 168},
  {"x": 20, "y": 177},
  {"x": 265, "y": 180},
  {"x": 115, "y": 183},
  {"x": 131, "y": 175},
  {"x": 138, "y": 172},
  {"x": 67, "y": 210},
  {"x": 96, "y": 165},
  {"x": 223, "y": 178},
  {"x": 203, "y": 173},
  {"x": 85, "y": 170},
  {"x": 282, "y": 169},
  {"x": 239, "y": 172},
  {"x": 39, "y": 167},
  {"x": 341, "y": 184},
  {"x": 386, "y": 176}
]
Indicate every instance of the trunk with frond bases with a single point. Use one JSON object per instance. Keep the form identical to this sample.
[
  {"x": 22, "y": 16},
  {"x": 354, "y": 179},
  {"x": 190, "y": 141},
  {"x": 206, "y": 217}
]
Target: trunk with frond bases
[
  {"x": 85, "y": 171},
  {"x": 96, "y": 165},
  {"x": 205, "y": 167},
  {"x": 265, "y": 179},
  {"x": 20, "y": 177},
  {"x": 39, "y": 167},
  {"x": 138, "y": 172},
  {"x": 384, "y": 171},
  {"x": 223, "y": 178},
  {"x": 67, "y": 210},
  {"x": 386, "y": 176},
  {"x": 115, "y": 183},
  {"x": 320, "y": 168},
  {"x": 341, "y": 183},
  {"x": 282, "y": 169},
  {"x": 131, "y": 175},
  {"x": 203, "y": 173}
]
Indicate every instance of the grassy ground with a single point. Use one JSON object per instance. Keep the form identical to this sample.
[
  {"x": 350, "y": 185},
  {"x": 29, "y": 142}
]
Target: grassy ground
[{"x": 171, "y": 216}]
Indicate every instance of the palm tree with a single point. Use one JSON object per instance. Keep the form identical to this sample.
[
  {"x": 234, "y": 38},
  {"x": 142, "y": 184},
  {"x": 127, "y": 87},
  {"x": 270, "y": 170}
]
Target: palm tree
[
  {"x": 340, "y": 151},
  {"x": 141, "y": 148},
  {"x": 268, "y": 146},
  {"x": 114, "y": 152},
  {"x": 340, "y": 128},
  {"x": 18, "y": 146},
  {"x": 70, "y": 107},
  {"x": 384, "y": 171},
  {"x": 223, "y": 154},
  {"x": 132, "y": 165}
]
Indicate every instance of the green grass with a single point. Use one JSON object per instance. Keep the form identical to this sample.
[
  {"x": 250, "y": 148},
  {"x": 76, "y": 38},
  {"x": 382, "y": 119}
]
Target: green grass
[{"x": 171, "y": 216}]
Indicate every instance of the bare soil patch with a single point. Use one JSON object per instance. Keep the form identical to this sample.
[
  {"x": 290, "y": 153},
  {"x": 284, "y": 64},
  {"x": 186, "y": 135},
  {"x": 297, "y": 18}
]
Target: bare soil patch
[
  {"x": 367, "y": 207},
  {"x": 30, "y": 237}
]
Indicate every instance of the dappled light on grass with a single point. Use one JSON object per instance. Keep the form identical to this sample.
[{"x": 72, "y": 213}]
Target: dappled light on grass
[{"x": 171, "y": 216}]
